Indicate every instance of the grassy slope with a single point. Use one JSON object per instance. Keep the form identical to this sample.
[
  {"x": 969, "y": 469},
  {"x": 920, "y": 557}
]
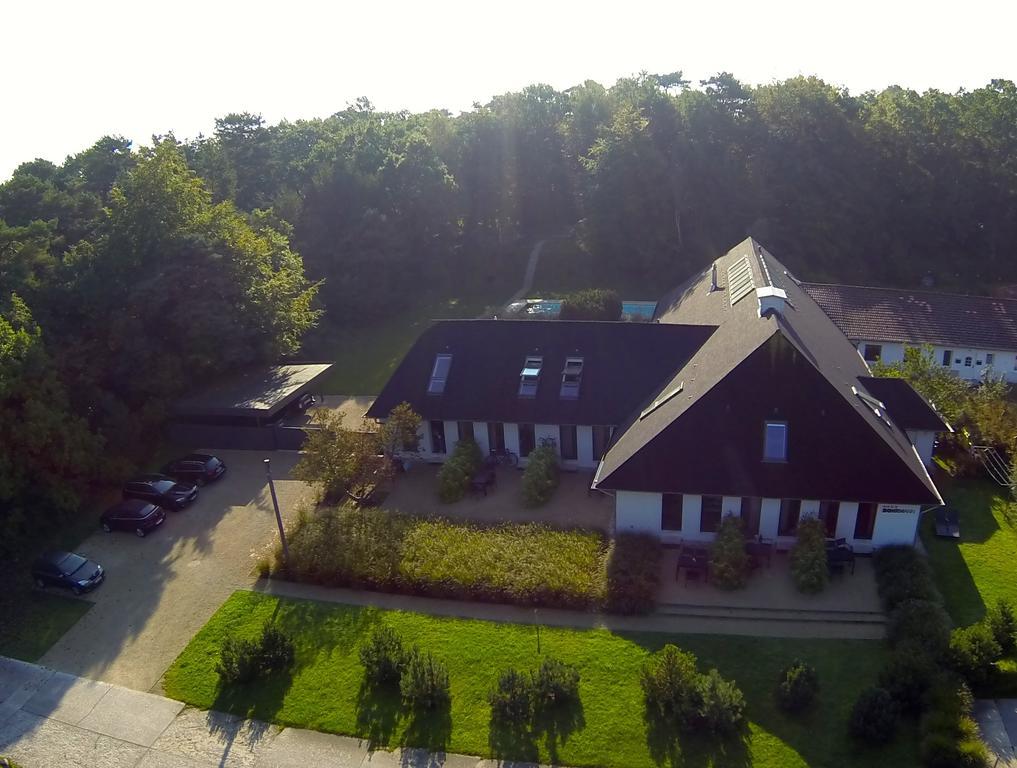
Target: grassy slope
[
  {"x": 323, "y": 692},
  {"x": 975, "y": 572}
]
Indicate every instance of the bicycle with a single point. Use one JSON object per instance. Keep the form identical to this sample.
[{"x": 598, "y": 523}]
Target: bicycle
[{"x": 503, "y": 457}]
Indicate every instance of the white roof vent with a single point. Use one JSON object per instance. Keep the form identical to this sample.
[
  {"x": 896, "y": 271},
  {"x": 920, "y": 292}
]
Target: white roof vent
[{"x": 771, "y": 300}]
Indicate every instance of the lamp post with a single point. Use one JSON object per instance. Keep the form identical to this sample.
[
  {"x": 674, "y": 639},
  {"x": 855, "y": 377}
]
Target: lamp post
[{"x": 278, "y": 514}]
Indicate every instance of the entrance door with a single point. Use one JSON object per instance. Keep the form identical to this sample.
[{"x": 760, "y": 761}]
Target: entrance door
[
  {"x": 438, "y": 437},
  {"x": 751, "y": 507},
  {"x": 829, "y": 511},
  {"x": 496, "y": 436}
]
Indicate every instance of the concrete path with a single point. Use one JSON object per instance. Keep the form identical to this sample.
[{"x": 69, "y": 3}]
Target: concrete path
[
  {"x": 654, "y": 622},
  {"x": 997, "y": 721},
  {"x": 531, "y": 270},
  {"x": 51, "y": 718}
]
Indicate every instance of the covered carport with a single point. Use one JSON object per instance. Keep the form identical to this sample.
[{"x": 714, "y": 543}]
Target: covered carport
[{"x": 255, "y": 410}]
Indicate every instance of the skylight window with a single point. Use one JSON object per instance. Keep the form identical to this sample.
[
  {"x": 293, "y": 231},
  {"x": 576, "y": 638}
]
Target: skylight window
[
  {"x": 529, "y": 377},
  {"x": 740, "y": 282},
  {"x": 439, "y": 374},
  {"x": 571, "y": 377},
  {"x": 876, "y": 406},
  {"x": 775, "y": 441}
]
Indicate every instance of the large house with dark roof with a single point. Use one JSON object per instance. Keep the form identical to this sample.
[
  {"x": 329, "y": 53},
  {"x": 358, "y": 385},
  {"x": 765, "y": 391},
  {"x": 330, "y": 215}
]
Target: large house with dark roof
[
  {"x": 969, "y": 335},
  {"x": 742, "y": 397}
]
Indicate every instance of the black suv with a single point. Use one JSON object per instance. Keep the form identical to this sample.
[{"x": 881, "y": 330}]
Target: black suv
[
  {"x": 197, "y": 468},
  {"x": 133, "y": 515},
  {"x": 67, "y": 570},
  {"x": 161, "y": 490}
]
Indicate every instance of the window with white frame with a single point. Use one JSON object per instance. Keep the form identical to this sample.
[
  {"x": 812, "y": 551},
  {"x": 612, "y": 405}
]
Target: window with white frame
[{"x": 775, "y": 441}]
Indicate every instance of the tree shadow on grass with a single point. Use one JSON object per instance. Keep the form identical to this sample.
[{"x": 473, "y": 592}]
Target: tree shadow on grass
[
  {"x": 379, "y": 709},
  {"x": 672, "y": 746},
  {"x": 431, "y": 728},
  {"x": 512, "y": 741},
  {"x": 554, "y": 725}
]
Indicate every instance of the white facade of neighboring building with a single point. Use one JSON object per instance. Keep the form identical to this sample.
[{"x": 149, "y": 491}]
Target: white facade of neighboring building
[
  {"x": 878, "y": 526},
  {"x": 968, "y": 364}
]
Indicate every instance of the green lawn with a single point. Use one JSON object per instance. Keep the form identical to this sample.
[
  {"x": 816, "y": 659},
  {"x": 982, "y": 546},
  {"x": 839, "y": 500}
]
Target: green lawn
[
  {"x": 324, "y": 691},
  {"x": 979, "y": 569},
  {"x": 37, "y": 621},
  {"x": 366, "y": 355}
]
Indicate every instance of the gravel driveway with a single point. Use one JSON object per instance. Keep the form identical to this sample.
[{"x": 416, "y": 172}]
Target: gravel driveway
[{"x": 160, "y": 590}]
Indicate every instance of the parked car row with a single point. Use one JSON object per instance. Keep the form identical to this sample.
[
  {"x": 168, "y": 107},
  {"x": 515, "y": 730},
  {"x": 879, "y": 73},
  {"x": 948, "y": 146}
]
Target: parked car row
[{"x": 143, "y": 509}]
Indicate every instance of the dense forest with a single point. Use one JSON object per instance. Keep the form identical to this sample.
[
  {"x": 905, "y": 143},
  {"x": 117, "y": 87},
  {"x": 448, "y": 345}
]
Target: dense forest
[{"x": 128, "y": 274}]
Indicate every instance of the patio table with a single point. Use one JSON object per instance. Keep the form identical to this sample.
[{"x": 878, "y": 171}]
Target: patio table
[
  {"x": 760, "y": 550},
  {"x": 838, "y": 557},
  {"x": 482, "y": 480}
]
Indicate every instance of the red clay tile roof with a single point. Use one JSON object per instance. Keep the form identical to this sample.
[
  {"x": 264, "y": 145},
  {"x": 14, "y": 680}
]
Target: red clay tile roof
[{"x": 918, "y": 317}]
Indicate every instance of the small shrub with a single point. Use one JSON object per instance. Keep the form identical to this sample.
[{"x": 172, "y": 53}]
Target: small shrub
[
  {"x": 512, "y": 699},
  {"x": 874, "y": 717},
  {"x": 633, "y": 573},
  {"x": 798, "y": 686},
  {"x": 808, "y": 557},
  {"x": 383, "y": 657},
  {"x": 729, "y": 562},
  {"x": 670, "y": 685},
  {"x": 276, "y": 649},
  {"x": 555, "y": 683},
  {"x": 591, "y": 304},
  {"x": 424, "y": 682},
  {"x": 239, "y": 661},
  {"x": 540, "y": 478},
  {"x": 1003, "y": 624},
  {"x": 919, "y": 624},
  {"x": 902, "y": 574},
  {"x": 721, "y": 703},
  {"x": 455, "y": 474},
  {"x": 907, "y": 677},
  {"x": 974, "y": 652}
]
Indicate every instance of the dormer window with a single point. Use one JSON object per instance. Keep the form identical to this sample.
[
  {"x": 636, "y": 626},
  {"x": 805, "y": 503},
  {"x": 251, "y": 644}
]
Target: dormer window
[
  {"x": 529, "y": 377},
  {"x": 876, "y": 406},
  {"x": 439, "y": 374},
  {"x": 571, "y": 377},
  {"x": 775, "y": 441}
]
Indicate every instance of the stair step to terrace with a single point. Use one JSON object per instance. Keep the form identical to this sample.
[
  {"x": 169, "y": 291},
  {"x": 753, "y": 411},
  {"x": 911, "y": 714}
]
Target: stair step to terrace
[{"x": 750, "y": 613}]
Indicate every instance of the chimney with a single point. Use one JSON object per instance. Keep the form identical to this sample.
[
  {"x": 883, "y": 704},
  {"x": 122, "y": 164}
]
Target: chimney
[
  {"x": 771, "y": 300},
  {"x": 713, "y": 279}
]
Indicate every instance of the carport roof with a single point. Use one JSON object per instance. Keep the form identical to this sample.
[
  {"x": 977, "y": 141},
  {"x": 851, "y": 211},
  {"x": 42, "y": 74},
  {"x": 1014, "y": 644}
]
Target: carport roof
[{"x": 262, "y": 392}]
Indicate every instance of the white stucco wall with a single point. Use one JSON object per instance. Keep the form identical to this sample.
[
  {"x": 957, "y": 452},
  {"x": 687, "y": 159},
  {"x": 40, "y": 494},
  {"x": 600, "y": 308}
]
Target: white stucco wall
[
  {"x": 451, "y": 435},
  {"x": 512, "y": 438},
  {"x": 924, "y": 441},
  {"x": 584, "y": 435},
  {"x": 692, "y": 515},
  {"x": 847, "y": 516},
  {"x": 480, "y": 435},
  {"x": 895, "y": 524},
  {"x": 637, "y": 512},
  {"x": 1004, "y": 361},
  {"x": 730, "y": 505}
]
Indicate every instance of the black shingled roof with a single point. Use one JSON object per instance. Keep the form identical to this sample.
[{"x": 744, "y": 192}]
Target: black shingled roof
[
  {"x": 866, "y": 313},
  {"x": 905, "y": 406},
  {"x": 624, "y": 364}
]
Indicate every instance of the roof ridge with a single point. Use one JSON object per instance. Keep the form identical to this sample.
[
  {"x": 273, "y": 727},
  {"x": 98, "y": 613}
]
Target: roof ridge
[{"x": 807, "y": 283}]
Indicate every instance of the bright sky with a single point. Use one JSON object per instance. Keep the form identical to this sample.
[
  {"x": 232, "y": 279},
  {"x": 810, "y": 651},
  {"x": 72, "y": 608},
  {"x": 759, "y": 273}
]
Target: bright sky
[{"x": 74, "y": 71}]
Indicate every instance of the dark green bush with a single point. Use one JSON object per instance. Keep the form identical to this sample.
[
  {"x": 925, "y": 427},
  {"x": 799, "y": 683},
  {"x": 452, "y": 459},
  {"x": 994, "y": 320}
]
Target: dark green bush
[
  {"x": 798, "y": 686},
  {"x": 455, "y": 474},
  {"x": 671, "y": 685},
  {"x": 383, "y": 657},
  {"x": 943, "y": 749},
  {"x": 633, "y": 573},
  {"x": 921, "y": 625},
  {"x": 808, "y": 557},
  {"x": 721, "y": 703},
  {"x": 591, "y": 304},
  {"x": 974, "y": 652},
  {"x": 874, "y": 717},
  {"x": 424, "y": 682},
  {"x": 907, "y": 677},
  {"x": 241, "y": 661},
  {"x": 555, "y": 683},
  {"x": 540, "y": 478},
  {"x": 729, "y": 562},
  {"x": 1003, "y": 624},
  {"x": 902, "y": 574},
  {"x": 512, "y": 699}
]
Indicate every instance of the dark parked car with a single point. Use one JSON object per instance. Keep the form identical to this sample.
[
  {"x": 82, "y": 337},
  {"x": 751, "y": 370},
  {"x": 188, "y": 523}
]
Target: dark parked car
[
  {"x": 161, "y": 490},
  {"x": 133, "y": 515},
  {"x": 197, "y": 468},
  {"x": 68, "y": 570}
]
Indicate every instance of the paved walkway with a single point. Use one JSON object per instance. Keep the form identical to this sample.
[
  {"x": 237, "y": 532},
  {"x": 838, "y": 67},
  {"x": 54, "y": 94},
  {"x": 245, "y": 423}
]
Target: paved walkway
[
  {"x": 673, "y": 623},
  {"x": 997, "y": 721},
  {"x": 51, "y": 719}
]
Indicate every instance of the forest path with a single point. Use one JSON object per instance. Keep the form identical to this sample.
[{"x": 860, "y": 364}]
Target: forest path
[{"x": 531, "y": 270}]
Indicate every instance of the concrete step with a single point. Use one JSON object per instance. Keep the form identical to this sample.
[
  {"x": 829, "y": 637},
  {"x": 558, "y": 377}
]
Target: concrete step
[{"x": 753, "y": 613}]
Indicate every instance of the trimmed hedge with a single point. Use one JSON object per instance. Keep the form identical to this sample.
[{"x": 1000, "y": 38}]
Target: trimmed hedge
[
  {"x": 455, "y": 474},
  {"x": 526, "y": 564},
  {"x": 919, "y": 626},
  {"x": 541, "y": 476},
  {"x": 808, "y": 557},
  {"x": 729, "y": 562},
  {"x": 874, "y": 717},
  {"x": 901, "y": 575}
]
